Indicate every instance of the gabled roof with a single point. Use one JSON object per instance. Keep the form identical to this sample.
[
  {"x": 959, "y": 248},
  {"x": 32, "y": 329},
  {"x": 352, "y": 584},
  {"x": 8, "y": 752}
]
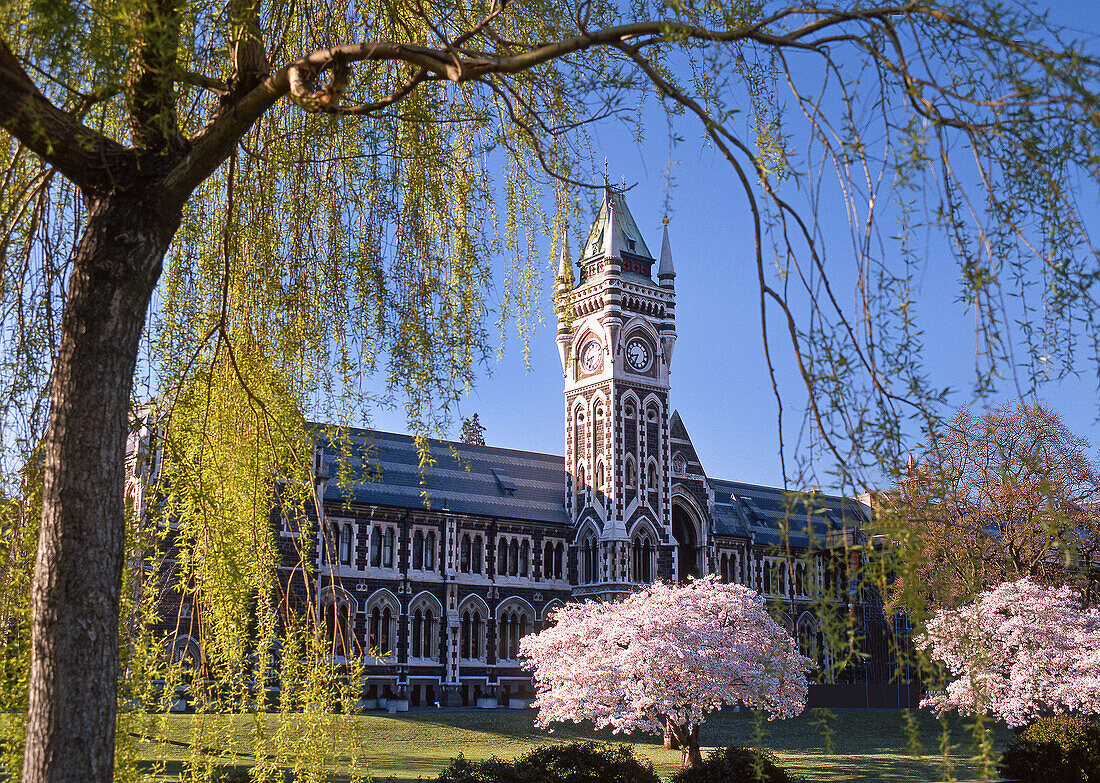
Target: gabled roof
[
  {"x": 629, "y": 237},
  {"x": 742, "y": 509},
  {"x": 464, "y": 479}
]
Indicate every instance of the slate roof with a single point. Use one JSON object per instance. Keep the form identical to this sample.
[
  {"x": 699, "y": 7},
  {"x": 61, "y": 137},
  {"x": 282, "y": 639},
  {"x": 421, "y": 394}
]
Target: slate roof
[
  {"x": 525, "y": 485},
  {"x": 752, "y": 510},
  {"x": 630, "y": 238},
  {"x": 480, "y": 480}
]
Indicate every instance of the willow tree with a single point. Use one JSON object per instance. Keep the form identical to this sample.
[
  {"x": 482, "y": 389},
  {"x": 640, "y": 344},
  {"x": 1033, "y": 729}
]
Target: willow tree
[{"x": 318, "y": 178}]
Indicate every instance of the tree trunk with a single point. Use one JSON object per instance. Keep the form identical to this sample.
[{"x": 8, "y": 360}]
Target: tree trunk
[
  {"x": 689, "y": 748},
  {"x": 77, "y": 576},
  {"x": 671, "y": 743},
  {"x": 686, "y": 738}
]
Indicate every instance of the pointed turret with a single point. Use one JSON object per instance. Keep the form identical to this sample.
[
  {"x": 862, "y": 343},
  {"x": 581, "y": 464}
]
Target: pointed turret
[
  {"x": 665, "y": 272},
  {"x": 565, "y": 272},
  {"x": 563, "y": 285},
  {"x": 611, "y": 247}
]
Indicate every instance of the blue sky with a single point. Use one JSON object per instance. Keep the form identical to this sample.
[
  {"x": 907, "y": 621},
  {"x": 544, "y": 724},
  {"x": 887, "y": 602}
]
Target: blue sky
[{"x": 719, "y": 379}]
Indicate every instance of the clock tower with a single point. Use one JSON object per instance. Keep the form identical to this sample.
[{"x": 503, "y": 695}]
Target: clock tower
[{"x": 616, "y": 332}]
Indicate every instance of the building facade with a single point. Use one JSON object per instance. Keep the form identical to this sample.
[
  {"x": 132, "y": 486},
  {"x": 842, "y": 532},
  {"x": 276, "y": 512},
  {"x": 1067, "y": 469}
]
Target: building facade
[{"x": 432, "y": 577}]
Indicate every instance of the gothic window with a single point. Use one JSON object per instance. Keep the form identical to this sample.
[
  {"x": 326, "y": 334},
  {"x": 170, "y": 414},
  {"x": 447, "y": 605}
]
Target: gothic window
[
  {"x": 598, "y": 429},
  {"x": 417, "y": 623},
  {"x": 643, "y": 559},
  {"x": 336, "y": 612},
  {"x": 387, "y": 548},
  {"x": 513, "y": 557},
  {"x": 502, "y": 556},
  {"x": 376, "y": 547},
  {"x": 382, "y": 624},
  {"x": 476, "y": 564},
  {"x": 589, "y": 560},
  {"x": 418, "y": 550},
  {"x": 559, "y": 557},
  {"x": 600, "y": 479},
  {"x": 472, "y": 634},
  {"x": 465, "y": 553},
  {"x": 345, "y": 544},
  {"x": 424, "y": 639},
  {"x": 630, "y": 479},
  {"x": 548, "y": 560},
  {"x": 429, "y": 551},
  {"x": 579, "y": 445},
  {"x": 524, "y": 558},
  {"x": 512, "y": 626},
  {"x": 653, "y": 484},
  {"x": 580, "y": 487},
  {"x": 330, "y": 533}
]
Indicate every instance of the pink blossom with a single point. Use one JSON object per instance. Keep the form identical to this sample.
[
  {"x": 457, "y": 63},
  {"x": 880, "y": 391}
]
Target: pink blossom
[
  {"x": 667, "y": 652},
  {"x": 1016, "y": 650}
]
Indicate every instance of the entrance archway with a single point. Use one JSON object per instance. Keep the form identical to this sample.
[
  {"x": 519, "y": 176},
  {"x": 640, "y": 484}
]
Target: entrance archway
[{"x": 685, "y": 529}]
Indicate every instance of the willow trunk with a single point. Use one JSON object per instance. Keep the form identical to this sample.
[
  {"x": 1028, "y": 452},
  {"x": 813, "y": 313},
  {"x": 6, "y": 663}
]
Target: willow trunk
[{"x": 77, "y": 576}]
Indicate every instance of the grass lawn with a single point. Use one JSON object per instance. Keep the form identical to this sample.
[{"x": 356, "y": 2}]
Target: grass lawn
[{"x": 866, "y": 745}]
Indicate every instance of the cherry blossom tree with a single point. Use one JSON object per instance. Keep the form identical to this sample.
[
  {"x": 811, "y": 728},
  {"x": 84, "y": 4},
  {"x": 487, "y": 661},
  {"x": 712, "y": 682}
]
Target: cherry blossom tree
[
  {"x": 1015, "y": 651},
  {"x": 665, "y": 656}
]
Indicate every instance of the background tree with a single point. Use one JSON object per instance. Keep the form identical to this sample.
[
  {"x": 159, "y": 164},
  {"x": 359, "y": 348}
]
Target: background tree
[
  {"x": 664, "y": 657},
  {"x": 473, "y": 431},
  {"x": 1016, "y": 651},
  {"x": 994, "y": 497},
  {"x": 312, "y": 191}
]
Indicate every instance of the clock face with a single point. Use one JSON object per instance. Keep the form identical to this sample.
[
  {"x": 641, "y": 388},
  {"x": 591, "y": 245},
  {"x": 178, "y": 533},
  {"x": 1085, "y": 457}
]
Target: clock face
[
  {"x": 638, "y": 354},
  {"x": 592, "y": 357}
]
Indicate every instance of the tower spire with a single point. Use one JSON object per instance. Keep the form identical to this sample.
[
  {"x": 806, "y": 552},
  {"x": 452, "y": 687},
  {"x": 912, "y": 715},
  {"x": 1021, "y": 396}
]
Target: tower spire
[
  {"x": 563, "y": 261},
  {"x": 665, "y": 272},
  {"x": 611, "y": 230}
]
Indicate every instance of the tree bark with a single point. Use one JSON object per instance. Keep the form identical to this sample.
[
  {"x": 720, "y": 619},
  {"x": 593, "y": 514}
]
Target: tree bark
[
  {"x": 77, "y": 577},
  {"x": 671, "y": 743},
  {"x": 686, "y": 738}
]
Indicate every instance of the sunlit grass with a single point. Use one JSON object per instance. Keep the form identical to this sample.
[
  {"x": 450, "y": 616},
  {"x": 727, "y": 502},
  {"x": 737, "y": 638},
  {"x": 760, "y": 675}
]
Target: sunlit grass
[{"x": 866, "y": 745}]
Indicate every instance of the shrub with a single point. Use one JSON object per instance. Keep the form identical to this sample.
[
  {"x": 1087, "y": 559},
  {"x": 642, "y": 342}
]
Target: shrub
[
  {"x": 1061, "y": 749},
  {"x": 735, "y": 764},
  {"x": 575, "y": 762}
]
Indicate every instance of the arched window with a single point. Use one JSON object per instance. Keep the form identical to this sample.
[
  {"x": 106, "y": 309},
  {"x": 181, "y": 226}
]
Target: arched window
[
  {"x": 428, "y": 650},
  {"x": 548, "y": 561},
  {"x": 513, "y": 558},
  {"x": 385, "y": 639},
  {"x": 336, "y": 611},
  {"x": 387, "y": 548},
  {"x": 418, "y": 550},
  {"x": 429, "y": 551},
  {"x": 580, "y": 487},
  {"x": 417, "y": 634},
  {"x": 600, "y": 482},
  {"x": 475, "y": 635},
  {"x": 643, "y": 559},
  {"x": 559, "y": 558},
  {"x": 512, "y": 625},
  {"x": 502, "y": 556},
  {"x": 382, "y": 624},
  {"x": 464, "y": 555},
  {"x": 653, "y": 485},
  {"x": 524, "y": 557},
  {"x": 464, "y": 645},
  {"x": 376, "y": 547},
  {"x": 589, "y": 558},
  {"x": 423, "y": 636},
  {"x": 345, "y": 544}
]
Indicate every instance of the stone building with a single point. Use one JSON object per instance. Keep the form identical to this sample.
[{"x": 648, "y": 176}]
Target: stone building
[{"x": 445, "y": 570}]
